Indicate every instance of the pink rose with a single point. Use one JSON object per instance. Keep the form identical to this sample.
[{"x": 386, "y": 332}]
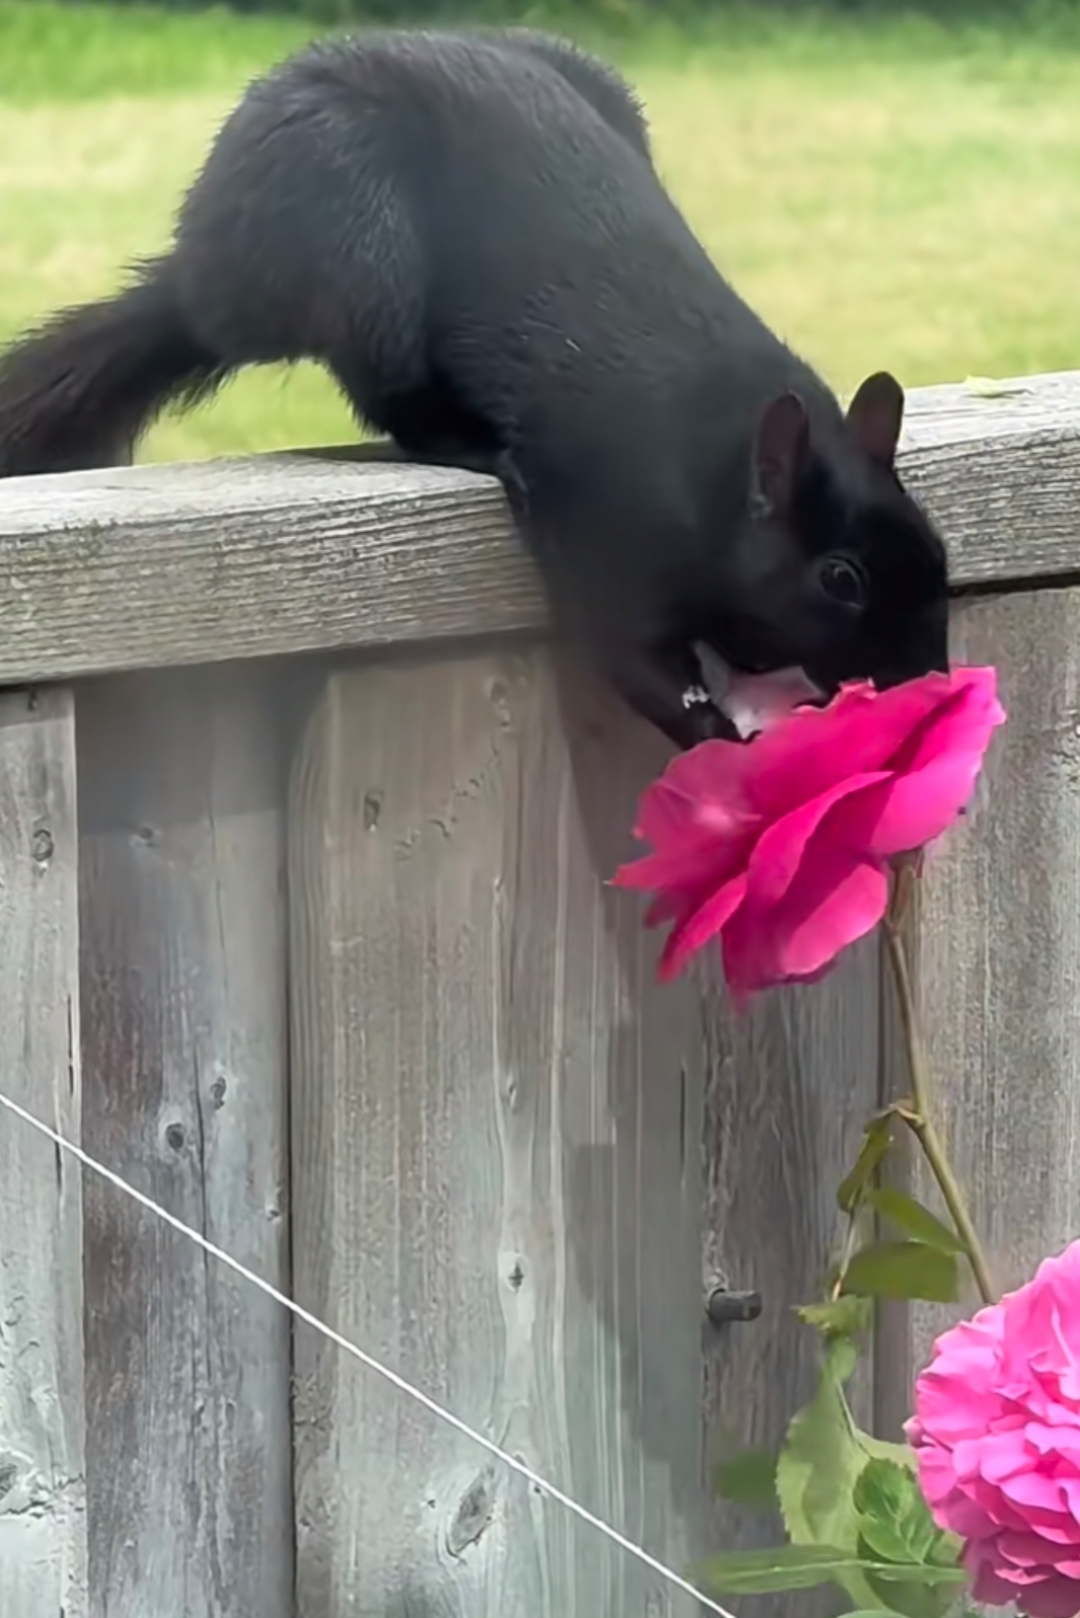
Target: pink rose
[
  {"x": 996, "y": 1431},
  {"x": 780, "y": 847}
]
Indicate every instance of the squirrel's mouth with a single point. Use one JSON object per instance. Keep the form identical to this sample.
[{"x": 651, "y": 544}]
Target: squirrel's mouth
[{"x": 754, "y": 700}]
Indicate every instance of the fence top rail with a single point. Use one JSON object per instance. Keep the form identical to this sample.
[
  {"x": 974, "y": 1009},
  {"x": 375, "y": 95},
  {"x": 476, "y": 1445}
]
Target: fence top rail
[{"x": 157, "y": 565}]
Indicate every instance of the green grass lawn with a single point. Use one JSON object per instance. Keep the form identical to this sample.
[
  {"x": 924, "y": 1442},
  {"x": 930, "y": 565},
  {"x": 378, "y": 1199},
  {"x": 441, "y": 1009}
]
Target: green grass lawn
[{"x": 887, "y": 195}]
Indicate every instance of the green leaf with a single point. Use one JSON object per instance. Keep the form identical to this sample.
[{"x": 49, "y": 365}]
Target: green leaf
[
  {"x": 748, "y": 1479},
  {"x": 901, "y": 1454},
  {"x": 903, "y": 1270},
  {"x": 917, "y": 1590},
  {"x": 913, "y": 1219},
  {"x": 889, "y": 1493},
  {"x": 946, "y": 1550},
  {"x": 818, "y": 1467},
  {"x": 911, "y": 1598},
  {"x": 919, "y": 1531},
  {"x": 843, "y": 1317},
  {"x": 895, "y": 1526},
  {"x": 885, "y": 1541},
  {"x": 892, "y": 1507},
  {"x": 820, "y": 1461},
  {"x": 877, "y": 1138}
]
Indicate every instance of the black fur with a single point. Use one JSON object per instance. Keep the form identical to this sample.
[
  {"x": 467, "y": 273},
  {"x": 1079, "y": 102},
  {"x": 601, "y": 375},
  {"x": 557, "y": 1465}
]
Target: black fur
[
  {"x": 77, "y": 392},
  {"x": 468, "y": 231}
]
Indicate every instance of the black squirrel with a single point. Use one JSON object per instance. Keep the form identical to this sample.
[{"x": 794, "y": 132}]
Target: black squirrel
[{"x": 468, "y": 231}]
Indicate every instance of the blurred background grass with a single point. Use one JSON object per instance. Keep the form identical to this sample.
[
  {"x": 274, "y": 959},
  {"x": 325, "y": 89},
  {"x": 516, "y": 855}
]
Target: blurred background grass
[{"x": 887, "y": 188}]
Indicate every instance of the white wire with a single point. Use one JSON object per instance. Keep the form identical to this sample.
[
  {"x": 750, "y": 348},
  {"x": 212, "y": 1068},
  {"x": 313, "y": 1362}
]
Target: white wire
[{"x": 384, "y": 1371}]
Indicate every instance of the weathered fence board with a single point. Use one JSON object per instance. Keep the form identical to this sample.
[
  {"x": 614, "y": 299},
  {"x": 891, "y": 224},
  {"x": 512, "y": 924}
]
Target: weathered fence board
[
  {"x": 183, "y": 979},
  {"x": 42, "y": 1482},
  {"x": 792, "y": 1081},
  {"x": 497, "y": 1171},
  {"x": 999, "y": 475},
  {"x": 999, "y": 962},
  {"x": 286, "y": 553},
  {"x": 291, "y": 553}
]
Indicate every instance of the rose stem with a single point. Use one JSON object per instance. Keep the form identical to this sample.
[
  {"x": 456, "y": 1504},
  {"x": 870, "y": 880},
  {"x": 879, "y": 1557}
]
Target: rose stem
[{"x": 920, "y": 1123}]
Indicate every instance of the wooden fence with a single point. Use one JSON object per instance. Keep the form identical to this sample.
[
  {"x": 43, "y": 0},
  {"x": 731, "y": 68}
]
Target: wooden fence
[{"x": 304, "y": 931}]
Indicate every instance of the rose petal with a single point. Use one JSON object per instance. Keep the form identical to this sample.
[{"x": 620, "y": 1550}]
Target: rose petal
[
  {"x": 1051, "y": 1598},
  {"x": 951, "y": 1408},
  {"x": 697, "y": 792},
  {"x": 833, "y": 900},
  {"x": 704, "y": 863},
  {"x": 1031, "y": 1489},
  {"x": 925, "y": 794},
  {"x": 697, "y": 928},
  {"x": 987, "y": 1584},
  {"x": 909, "y": 811},
  {"x": 774, "y": 861},
  {"x": 966, "y": 716},
  {"x": 820, "y": 923}
]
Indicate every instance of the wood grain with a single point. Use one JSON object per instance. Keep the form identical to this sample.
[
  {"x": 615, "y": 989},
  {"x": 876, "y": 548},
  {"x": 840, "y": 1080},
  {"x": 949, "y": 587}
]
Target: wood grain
[
  {"x": 147, "y": 566},
  {"x": 793, "y": 1081},
  {"x": 183, "y": 980},
  {"x": 998, "y": 971},
  {"x": 42, "y": 1482},
  {"x": 496, "y": 1153},
  {"x": 999, "y": 475}
]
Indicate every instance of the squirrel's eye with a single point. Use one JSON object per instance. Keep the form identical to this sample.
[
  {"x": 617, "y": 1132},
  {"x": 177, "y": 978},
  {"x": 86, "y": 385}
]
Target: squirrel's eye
[{"x": 843, "y": 581}]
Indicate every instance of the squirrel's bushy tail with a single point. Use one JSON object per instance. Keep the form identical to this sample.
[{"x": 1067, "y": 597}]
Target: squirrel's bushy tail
[{"x": 79, "y": 390}]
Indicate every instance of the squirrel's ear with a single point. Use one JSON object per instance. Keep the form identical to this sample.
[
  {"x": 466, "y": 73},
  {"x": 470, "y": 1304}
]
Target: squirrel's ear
[
  {"x": 780, "y": 448},
  {"x": 875, "y": 417}
]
